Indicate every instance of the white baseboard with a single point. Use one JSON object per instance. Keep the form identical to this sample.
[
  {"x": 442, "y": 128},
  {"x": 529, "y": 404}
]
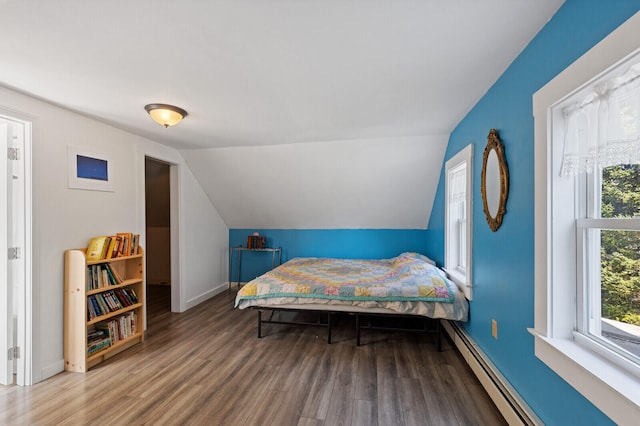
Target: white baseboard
[
  {"x": 510, "y": 404},
  {"x": 206, "y": 295},
  {"x": 52, "y": 369}
]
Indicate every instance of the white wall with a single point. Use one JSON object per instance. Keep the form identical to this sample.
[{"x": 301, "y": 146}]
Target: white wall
[
  {"x": 66, "y": 218},
  {"x": 367, "y": 183}
]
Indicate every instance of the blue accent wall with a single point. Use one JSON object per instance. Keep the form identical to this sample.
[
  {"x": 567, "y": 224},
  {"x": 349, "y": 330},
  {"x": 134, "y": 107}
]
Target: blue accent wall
[
  {"x": 503, "y": 261},
  {"x": 339, "y": 243}
]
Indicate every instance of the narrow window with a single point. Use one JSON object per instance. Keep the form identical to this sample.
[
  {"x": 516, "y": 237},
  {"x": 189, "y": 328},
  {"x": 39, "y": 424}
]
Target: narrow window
[{"x": 458, "y": 188}]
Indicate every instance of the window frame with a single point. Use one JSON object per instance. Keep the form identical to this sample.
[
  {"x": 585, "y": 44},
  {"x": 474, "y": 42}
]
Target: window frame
[
  {"x": 607, "y": 385},
  {"x": 589, "y": 225},
  {"x": 461, "y": 276}
]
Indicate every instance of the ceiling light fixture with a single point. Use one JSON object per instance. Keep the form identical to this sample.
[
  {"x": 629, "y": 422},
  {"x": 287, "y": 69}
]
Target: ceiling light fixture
[{"x": 165, "y": 115}]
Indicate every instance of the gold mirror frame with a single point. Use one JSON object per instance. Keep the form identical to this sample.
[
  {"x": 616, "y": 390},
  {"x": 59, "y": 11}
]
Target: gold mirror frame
[{"x": 494, "y": 143}]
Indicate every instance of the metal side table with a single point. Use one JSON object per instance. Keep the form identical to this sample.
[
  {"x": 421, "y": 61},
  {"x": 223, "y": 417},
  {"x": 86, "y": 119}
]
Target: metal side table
[{"x": 273, "y": 250}]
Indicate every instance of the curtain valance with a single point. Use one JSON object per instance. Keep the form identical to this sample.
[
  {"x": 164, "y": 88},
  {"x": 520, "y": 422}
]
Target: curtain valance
[{"x": 603, "y": 129}]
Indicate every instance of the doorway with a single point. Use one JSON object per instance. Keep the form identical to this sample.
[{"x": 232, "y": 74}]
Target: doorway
[
  {"x": 158, "y": 237},
  {"x": 15, "y": 251}
]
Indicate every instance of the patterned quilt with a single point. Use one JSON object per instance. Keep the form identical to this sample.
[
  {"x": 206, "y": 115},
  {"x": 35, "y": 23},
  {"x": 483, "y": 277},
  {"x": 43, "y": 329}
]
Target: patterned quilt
[{"x": 407, "y": 277}]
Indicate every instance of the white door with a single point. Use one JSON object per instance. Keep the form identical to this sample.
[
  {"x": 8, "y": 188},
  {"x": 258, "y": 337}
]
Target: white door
[{"x": 12, "y": 249}]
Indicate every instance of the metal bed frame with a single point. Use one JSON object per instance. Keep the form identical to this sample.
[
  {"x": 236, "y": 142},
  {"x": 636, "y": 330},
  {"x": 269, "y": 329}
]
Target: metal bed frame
[{"x": 437, "y": 328}]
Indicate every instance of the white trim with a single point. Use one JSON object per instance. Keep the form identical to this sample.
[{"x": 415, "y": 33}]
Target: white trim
[
  {"x": 175, "y": 195},
  {"x": 614, "y": 223},
  {"x": 6, "y": 287},
  {"x": 206, "y": 295},
  {"x": 462, "y": 280},
  {"x": 25, "y": 364},
  {"x": 594, "y": 345},
  {"x": 177, "y": 276},
  {"x": 616, "y": 393},
  {"x": 52, "y": 369}
]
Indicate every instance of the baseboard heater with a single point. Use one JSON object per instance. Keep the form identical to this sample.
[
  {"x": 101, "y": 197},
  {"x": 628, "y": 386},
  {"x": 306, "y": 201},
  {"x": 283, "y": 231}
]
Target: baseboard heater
[{"x": 512, "y": 407}]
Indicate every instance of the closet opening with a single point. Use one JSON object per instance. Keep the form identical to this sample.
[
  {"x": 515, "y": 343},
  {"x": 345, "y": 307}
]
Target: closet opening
[{"x": 158, "y": 238}]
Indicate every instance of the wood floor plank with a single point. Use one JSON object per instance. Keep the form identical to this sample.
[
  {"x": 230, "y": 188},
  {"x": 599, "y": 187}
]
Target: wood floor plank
[
  {"x": 342, "y": 397},
  {"x": 365, "y": 413},
  {"x": 389, "y": 388},
  {"x": 206, "y": 366}
]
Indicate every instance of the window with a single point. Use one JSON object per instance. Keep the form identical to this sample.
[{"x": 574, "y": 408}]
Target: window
[
  {"x": 586, "y": 234},
  {"x": 608, "y": 237},
  {"x": 458, "y": 223}
]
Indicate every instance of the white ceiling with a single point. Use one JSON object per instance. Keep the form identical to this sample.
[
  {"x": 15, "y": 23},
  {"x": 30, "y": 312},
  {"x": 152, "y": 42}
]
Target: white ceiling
[{"x": 266, "y": 72}]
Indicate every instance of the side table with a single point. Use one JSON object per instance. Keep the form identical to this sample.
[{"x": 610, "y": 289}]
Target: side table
[{"x": 273, "y": 250}]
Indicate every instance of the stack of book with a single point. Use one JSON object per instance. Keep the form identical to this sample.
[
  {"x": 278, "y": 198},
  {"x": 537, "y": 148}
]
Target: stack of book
[
  {"x": 110, "y": 301},
  {"x": 119, "y": 328},
  {"x": 97, "y": 340},
  {"x": 256, "y": 242},
  {"x": 112, "y": 246}
]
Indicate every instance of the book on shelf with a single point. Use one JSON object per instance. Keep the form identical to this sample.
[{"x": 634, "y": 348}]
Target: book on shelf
[
  {"x": 106, "y": 333},
  {"x": 110, "y": 301},
  {"x": 96, "y": 248},
  {"x": 104, "y": 308},
  {"x": 115, "y": 274},
  {"x": 112, "y": 243},
  {"x": 256, "y": 242},
  {"x": 91, "y": 311},
  {"x": 113, "y": 246},
  {"x": 97, "y": 340},
  {"x": 135, "y": 242},
  {"x": 101, "y": 275},
  {"x": 125, "y": 249},
  {"x": 112, "y": 280},
  {"x": 118, "y": 328}
]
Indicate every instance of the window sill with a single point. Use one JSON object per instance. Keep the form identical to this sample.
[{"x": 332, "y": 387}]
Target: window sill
[
  {"x": 460, "y": 280},
  {"x": 610, "y": 388}
]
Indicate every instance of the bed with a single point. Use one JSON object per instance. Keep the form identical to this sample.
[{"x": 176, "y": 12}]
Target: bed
[{"x": 408, "y": 285}]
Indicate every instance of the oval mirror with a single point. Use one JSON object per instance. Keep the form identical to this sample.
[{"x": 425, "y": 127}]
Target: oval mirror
[{"x": 494, "y": 185}]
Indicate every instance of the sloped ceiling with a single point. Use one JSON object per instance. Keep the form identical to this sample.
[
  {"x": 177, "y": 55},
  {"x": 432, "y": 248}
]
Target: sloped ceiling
[
  {"x": 266, "y": 73},
  {"x": 379, "y": 183}
]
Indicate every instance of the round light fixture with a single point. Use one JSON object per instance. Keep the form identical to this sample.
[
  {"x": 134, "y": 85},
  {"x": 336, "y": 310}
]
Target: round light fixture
[{"x": 165, "y": 115}]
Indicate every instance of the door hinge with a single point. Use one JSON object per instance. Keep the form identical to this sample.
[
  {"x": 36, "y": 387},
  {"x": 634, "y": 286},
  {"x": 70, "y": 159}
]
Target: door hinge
[
  {"x": 14, "y": 353},
  {"x": 13, "y": 153},
  {"x": 13, "y": 253}
]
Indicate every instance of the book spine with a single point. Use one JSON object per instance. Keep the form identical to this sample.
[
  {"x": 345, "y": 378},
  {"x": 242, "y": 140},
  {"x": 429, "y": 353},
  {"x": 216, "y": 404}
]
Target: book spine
[
  {"x": 104, "y": 308},
  {"x": 132, "y": 295}
]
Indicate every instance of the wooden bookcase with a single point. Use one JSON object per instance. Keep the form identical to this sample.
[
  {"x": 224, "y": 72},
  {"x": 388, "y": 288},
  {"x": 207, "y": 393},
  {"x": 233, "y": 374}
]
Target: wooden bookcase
[{"x": 77, "y": 321}]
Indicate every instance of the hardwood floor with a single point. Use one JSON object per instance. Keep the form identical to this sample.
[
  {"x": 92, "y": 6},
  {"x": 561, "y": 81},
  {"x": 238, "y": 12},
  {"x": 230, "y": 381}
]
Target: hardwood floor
[{"x": 206, "y": 366}]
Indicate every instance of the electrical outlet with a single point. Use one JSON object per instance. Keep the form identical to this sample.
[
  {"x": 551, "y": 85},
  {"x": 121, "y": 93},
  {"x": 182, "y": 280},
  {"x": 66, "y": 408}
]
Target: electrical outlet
[{"x": 494, "y": 328}]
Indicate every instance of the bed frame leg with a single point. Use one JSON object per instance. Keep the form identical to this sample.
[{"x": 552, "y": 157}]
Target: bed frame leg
[
  {"x": 259, "y": 324},
  {"x": 357, "y": 330},
  {"x": 439, "y": 335},
  {"x": 329, "y": 328}
]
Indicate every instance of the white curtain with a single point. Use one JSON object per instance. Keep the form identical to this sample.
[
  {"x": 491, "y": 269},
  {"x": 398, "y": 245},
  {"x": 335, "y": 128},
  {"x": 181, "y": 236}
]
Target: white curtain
[
  {"x": 458, "y": 181},
  {"x": 603, "y": 129}
]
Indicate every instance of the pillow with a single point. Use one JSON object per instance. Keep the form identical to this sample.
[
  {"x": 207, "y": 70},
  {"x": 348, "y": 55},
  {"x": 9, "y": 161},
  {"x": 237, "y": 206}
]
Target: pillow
[{"x": 414, "y": 256}]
